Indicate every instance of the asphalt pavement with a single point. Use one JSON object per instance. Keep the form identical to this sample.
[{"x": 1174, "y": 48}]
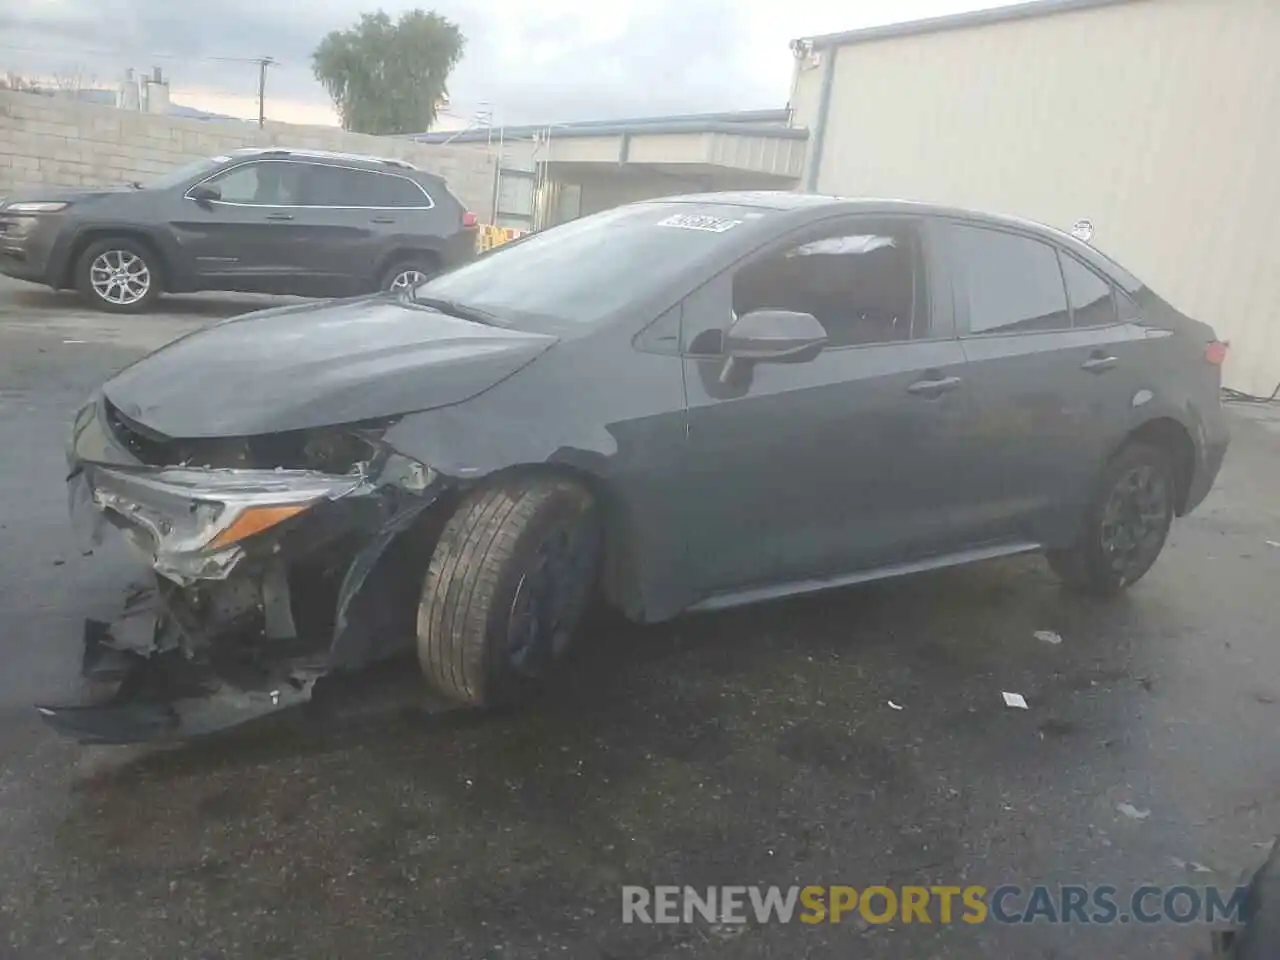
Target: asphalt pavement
[{"x": 859, "y": 738}]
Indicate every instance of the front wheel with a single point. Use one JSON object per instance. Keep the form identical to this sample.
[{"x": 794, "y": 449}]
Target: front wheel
[
  {"x": 506, "y": 587},
  {"x": 1125, "y": 526},
  {"x": 118, "y": 274}
]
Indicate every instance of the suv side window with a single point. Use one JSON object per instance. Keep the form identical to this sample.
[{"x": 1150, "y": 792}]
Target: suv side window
[
  {"x": 1013, "y": 284},
  {"x": 330, "y": 186},
  {"x": 864, "y": 281},
  {"x": 1092, "y": 303},
  {"x": 386, "y": 190},
  {"x": 271, "y": 183}
]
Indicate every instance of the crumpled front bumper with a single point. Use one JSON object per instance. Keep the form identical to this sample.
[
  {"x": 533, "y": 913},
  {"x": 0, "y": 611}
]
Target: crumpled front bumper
[{"x": 216, "y": 639}]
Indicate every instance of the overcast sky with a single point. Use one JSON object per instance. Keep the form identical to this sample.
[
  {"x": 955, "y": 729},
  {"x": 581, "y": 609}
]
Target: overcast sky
[{"x": 533, "y": 61}]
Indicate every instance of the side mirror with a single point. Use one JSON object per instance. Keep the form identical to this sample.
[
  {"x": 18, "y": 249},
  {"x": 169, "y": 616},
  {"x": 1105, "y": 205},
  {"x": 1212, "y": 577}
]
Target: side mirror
[
  {"x": 203, "y": 193},
  {"x": 775, "y": 336}
]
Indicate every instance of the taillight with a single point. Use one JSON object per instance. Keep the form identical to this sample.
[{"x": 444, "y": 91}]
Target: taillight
[
  {"x": 1215, "y": 352},
  {"x": 469, "y": 219}
]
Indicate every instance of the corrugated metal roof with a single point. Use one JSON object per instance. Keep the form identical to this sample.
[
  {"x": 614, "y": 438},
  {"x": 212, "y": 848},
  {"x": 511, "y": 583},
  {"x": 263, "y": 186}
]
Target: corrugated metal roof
[
  {"x": 971, "y": 18},
  {"x": 765, "y": 123}
]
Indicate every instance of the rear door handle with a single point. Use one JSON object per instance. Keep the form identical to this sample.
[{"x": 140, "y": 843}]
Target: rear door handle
[
  {"x": 934, "y": 388},
  {"x": 383, "y": 220},
  {"x": 279, "y": 216},
  {"x": 1099, "y": 364}
]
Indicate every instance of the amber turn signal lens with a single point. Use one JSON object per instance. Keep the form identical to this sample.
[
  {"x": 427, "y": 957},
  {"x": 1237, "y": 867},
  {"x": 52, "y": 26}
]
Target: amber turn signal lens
[{"x": 255, "y": 520}]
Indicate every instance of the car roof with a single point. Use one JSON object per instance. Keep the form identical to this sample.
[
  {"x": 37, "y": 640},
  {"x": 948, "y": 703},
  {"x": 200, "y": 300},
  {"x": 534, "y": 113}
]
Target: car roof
[
  {"x": 328, "y": 156},
  {"x": 782, "y": 200}
]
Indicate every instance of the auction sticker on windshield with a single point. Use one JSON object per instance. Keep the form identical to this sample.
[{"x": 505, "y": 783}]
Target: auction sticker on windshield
[{"x": 699, "y": 221}]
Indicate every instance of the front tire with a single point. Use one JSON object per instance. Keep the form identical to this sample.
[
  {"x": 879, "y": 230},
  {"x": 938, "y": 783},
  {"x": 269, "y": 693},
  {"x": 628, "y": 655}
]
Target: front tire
[
  {"x": 118, "y": 274},
  {"x": 511, "y": 575},
  {"x": 1125, "y": 526}
]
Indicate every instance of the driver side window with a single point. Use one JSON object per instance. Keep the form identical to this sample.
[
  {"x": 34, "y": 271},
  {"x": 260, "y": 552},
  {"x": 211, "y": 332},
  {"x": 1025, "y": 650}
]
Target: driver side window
[
  {"x": 263, "y": 183},
  {"x": 862, "y": 279}
]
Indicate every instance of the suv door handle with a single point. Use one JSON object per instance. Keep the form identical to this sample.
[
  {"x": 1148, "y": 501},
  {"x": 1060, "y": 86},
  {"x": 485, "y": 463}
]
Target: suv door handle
[
  {"x": 935, "y": 387},
  {"x": 383, "y": 220},
  {"x": 1098, "y": 363},
  {"x": 279, "y": 216}
]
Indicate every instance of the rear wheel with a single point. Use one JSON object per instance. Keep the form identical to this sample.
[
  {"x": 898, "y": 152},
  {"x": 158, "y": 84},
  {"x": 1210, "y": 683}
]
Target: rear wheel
[
  {"x": 409, "y": 273},
  {"x": 507, "y": 585},
  {"x": 118, "y": 274},
  {"x": 1125, "y": 526}
]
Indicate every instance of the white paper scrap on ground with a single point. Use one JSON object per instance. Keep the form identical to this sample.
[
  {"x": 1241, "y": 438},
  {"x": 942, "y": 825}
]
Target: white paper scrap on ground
[
  {"x": 1049, "y": 636},
  {"x": 1014, "y": 700}
]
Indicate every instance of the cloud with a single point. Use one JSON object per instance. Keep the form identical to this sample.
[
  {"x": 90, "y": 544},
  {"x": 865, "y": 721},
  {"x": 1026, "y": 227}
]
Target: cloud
[{"x": 555, "y": 60}]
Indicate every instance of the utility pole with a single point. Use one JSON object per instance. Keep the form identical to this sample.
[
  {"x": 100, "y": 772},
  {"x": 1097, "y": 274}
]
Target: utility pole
[{"x": 263, "y": 63}]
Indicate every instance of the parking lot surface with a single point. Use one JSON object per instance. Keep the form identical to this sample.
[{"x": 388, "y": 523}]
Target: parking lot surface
[{"x": 756, "y": 746}]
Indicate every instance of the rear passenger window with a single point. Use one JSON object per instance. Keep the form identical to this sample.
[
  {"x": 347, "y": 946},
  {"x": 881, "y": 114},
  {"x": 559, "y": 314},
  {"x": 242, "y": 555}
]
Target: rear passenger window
[
  {"x": 383, "y": 190},
  {"x": 1090, "y": 296},
  {"x": 330, "y": 186},
  {"x": 1013, "y": 284}
]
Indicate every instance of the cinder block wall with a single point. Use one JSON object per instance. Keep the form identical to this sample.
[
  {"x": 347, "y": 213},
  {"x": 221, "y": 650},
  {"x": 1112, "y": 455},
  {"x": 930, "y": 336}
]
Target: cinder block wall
[{"x": 46, "y": 141}]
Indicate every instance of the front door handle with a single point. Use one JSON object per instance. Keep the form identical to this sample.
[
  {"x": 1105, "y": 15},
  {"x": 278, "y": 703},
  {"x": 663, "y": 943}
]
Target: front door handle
[
  {"x": 279, "y": 216},
  {"x": 934, "y": 388},
  {"x": 1099, "y": 363},
  {"x": 383, "y": 220}
]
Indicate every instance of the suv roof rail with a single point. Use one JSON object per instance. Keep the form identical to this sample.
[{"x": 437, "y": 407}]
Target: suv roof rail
[{"x": 325, "y": 155}]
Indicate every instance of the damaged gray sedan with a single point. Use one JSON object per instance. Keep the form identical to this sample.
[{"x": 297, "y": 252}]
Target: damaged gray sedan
[{"x": 674, "y": 405}]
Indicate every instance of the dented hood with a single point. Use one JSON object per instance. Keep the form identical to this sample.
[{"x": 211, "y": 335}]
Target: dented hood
[{"x": 313, "y": 365}]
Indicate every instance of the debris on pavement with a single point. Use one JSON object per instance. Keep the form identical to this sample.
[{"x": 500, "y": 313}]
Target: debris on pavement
[
  {"x": 1132, "y": 812},
  {"x": 1273, "y": 543},
  {"x": 895, "y": 706},
  {"x": 1190, "y": 866},
  {"x": 1015, "y": 700},
  {"x": 1049, "y": 636}
]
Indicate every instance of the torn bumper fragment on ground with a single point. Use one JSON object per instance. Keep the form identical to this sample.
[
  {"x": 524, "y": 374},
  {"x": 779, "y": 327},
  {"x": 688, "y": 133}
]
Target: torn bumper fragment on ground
[{"x": 264, "y": 576}]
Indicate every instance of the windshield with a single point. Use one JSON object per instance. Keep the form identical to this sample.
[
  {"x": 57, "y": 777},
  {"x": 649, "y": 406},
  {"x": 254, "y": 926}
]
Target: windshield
[
  {"x": 181, "y": 174},
  {"x": 582, "y": 271}
]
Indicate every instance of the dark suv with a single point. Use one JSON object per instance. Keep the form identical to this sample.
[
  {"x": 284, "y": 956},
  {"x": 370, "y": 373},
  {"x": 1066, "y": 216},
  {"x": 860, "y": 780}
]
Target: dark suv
[{"x": 300, "y": 222}]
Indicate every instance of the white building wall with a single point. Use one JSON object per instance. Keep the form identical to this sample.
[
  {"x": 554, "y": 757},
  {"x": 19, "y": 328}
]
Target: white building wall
[{"x": 1157, "y": 119}]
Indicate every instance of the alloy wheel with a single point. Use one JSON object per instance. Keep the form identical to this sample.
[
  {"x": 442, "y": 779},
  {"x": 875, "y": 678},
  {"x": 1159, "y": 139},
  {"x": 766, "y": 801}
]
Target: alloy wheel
[
  {"x": 408, "y": 279},
  {"x": 120, "y": 277}
]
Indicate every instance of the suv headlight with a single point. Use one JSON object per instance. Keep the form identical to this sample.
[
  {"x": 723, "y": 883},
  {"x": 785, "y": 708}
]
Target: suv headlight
[{"x": 36, "y": 206}]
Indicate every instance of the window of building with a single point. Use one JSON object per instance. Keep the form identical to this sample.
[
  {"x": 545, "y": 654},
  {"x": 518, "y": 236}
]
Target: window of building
[
  {"x": 264, "y": 183},
  {"x": 1092, "y": 304},
  {"x": 863, "y": 282},
  {"x": 1013, "y": 284}
]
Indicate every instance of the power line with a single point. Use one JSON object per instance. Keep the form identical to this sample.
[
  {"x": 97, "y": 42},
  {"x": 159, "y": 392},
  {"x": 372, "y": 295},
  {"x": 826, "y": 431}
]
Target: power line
[{"x": 126, "y": 53}]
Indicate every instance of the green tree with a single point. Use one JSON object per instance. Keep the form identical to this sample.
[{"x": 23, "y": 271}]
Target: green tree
[{"x": 387, "y": 77}]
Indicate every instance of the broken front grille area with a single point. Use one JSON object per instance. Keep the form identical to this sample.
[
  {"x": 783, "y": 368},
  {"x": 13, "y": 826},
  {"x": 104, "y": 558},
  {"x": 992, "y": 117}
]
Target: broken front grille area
[
  {"x": 147, "y": 445},
  {"x": 333, "y": 450}
]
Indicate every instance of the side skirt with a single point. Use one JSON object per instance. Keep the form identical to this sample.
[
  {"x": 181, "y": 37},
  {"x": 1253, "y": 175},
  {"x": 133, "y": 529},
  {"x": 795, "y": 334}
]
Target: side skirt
[{"x": 738, "y": 598}]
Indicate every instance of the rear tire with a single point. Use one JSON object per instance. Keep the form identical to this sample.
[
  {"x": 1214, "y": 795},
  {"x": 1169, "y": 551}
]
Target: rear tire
[
  {"x": 1125, "y": 525},
  {"x": 119, "y": 274},
  {"x": 408, "y": 273},
  {"x": 511, "y": 575}
]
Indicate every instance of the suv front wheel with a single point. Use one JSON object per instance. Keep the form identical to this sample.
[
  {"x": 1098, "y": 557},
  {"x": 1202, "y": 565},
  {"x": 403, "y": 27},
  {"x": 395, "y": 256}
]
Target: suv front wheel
[{"x": 118, "y": 274}]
